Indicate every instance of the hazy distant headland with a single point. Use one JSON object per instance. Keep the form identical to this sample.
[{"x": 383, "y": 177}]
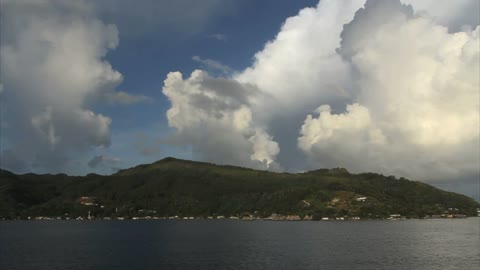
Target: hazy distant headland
[{"x": 181, "y": 189}]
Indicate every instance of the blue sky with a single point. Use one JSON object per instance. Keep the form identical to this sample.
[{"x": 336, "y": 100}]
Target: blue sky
[
  {"x": 145, "y": 60},
  {"x": 383, "y": 86}
]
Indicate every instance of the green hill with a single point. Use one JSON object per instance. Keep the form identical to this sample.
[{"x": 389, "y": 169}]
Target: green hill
[{"x": 173, "y": 187}]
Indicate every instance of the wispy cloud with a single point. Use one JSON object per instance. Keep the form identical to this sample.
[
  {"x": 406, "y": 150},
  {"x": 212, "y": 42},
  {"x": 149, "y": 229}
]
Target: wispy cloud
[
  {"x": 217, "y": 36},
  {"x": 121, "y": 98},
  {"x": 212, "y": 65},
  {"x": 104, "y": 162}
]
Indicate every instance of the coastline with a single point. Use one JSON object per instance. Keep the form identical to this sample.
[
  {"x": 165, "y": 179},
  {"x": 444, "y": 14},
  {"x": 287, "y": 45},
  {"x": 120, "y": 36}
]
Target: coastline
[{"x": 186, "y": 219}]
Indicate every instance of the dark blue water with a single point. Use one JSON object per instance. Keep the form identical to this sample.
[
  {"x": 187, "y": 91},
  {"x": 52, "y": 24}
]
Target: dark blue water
[{"x": 207, "y": 244}]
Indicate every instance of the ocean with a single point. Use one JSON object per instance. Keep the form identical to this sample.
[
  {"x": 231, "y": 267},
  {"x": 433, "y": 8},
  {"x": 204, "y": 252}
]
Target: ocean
[{"x": 234, "y": 244}]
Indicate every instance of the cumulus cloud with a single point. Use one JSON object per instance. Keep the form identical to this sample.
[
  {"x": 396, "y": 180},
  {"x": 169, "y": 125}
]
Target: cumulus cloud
[
  {"x": 301, "y": 61},
  {"x": 417, "y": 93},
  {"x": 327, "y": 128},
  {"x": 300, "y": 69},
  {"x": 214, "y": 117},
  {"x": 397, "y": 86},
  {"x": 52, "y": 62}
]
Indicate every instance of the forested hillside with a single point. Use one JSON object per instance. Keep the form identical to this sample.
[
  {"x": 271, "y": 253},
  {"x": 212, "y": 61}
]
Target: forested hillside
[{"x": 173, "y": 187}]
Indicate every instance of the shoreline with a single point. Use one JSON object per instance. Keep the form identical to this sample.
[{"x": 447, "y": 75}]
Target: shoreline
[{"x": 228, "y": 219}]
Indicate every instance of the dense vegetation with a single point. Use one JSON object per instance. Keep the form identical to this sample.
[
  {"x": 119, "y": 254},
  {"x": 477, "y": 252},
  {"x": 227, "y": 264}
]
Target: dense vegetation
[{"x": 172, "y": 187}]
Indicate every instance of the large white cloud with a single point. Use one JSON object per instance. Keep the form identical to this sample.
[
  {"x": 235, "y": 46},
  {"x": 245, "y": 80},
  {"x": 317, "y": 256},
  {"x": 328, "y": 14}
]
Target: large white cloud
[
  {"x": 418, "y": 90},
  {"x": 214, "y": 117},
  {"x": 52, "y": 71},
  {"x": 300, "y": 69},
  {"x": 302, "y": 61},
  {"x": 399, "y": 88},
  {"x": 300, "y": 66}
]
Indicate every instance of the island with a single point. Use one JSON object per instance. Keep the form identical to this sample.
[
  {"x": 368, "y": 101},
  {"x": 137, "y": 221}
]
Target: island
[{"x": 181, "y": 189}]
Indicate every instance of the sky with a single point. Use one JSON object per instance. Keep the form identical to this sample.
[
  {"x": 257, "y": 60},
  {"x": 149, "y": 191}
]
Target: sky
[{"x": 384, "y": 86}]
